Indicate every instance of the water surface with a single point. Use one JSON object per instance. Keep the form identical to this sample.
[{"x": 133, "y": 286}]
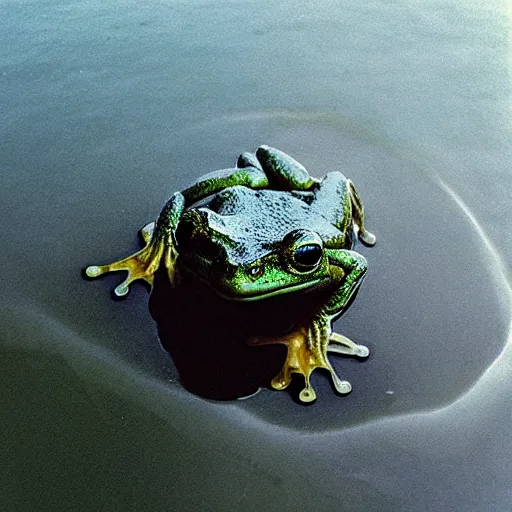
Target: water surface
[{"x": 108, "y": 109}]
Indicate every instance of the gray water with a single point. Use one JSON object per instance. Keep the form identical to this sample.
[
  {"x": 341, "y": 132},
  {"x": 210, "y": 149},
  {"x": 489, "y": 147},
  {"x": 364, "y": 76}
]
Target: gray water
[{"x": 108, "y": 108}]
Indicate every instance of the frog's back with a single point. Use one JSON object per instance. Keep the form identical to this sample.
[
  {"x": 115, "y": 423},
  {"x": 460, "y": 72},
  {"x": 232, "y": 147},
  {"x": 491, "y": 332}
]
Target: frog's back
[{"x": 263, "y": 217}]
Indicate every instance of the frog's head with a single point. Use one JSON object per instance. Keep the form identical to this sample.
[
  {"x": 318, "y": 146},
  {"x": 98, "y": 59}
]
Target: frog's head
[{"x": 238, "y": 269}]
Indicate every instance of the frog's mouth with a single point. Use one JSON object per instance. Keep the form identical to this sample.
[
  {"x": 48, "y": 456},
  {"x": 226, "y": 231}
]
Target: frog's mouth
[{"x": 249, "y": 292}]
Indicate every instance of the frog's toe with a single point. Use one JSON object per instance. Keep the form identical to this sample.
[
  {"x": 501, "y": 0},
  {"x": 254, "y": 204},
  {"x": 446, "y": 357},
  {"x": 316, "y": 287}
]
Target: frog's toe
[
  {"x": 307, "y": 395},
  {"x": 93, "y": 271},
  {"x": 122, "y": 289},
  {"x": 363, "y": 351},
  {"x": 343, "y": 387},
  {"x": 367, "y": 238},
  {"x": 344, "y": 346},
  {"x": 281, "y": 380},
  {"x": 359, "y": 351}
]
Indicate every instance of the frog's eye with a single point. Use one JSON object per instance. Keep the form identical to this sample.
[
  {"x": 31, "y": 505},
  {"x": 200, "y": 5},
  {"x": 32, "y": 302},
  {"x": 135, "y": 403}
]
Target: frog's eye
[
  {"x": 305, "y": 250},
  {"x": 307, "y": 257}
]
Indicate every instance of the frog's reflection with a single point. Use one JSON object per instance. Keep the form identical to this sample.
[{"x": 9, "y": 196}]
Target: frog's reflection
[{"x": 207, "y": 336}]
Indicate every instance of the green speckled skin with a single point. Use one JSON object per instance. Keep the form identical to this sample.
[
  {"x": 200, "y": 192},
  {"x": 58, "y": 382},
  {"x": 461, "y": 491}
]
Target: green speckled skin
[{"x": 265, "y": 228}]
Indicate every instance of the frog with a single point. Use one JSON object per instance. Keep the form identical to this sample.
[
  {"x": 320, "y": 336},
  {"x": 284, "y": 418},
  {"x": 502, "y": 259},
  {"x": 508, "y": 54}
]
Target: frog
[{"x": 262, "y": 229}]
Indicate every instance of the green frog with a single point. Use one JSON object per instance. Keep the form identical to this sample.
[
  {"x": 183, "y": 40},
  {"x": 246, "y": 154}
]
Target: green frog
[{"x": 265, "y": 228}]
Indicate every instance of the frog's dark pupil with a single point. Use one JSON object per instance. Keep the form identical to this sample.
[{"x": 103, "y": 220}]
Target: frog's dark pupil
[{"x": 307, "y": 257}]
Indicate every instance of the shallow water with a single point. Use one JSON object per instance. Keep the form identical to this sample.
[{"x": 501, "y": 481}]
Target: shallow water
[{"x": 107, "y": 109}]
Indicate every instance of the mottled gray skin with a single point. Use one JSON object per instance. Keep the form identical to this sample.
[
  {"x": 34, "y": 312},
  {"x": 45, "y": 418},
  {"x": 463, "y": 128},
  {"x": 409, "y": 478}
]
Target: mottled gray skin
[{"x": 258, "y": 220}]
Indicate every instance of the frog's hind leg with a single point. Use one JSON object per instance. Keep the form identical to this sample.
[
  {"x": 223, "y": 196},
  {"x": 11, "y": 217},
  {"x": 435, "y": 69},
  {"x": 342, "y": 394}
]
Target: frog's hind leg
[
  {"x": 159, "y": 243},
  {"x": 268, "y": 168},
  {"x": 247, "y": 159},
  {"x": 283, "y": 171},
  {"x": 358, "y": 215},
  {"x": 245, "y": 174}
]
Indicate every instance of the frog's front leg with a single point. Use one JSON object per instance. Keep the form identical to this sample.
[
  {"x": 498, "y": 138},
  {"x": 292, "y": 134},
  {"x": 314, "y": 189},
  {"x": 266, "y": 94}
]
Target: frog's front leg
[
  {"x": 350, "y": 267},
  {"x": 160, "y": 243},
  {"x": 307, "y": 351},
  {"x": 309, "y": 344}
]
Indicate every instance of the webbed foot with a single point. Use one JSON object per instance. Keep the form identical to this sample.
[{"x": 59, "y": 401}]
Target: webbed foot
[
  {"x": 158, "y": 243},
  {"x": 140, "y": 265},
  {"x": 305, "y": 354},
  {"x": 298, "y": 360}
]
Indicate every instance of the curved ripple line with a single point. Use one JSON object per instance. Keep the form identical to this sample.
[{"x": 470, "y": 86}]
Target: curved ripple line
[
  {"x": 93, "y": 363},
  {"x": 500, "y": 266},
  {"x": 479, "y": 410}
]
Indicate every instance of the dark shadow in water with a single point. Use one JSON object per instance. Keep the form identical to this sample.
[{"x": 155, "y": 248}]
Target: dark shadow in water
[{"x": 207, "y": 336}]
